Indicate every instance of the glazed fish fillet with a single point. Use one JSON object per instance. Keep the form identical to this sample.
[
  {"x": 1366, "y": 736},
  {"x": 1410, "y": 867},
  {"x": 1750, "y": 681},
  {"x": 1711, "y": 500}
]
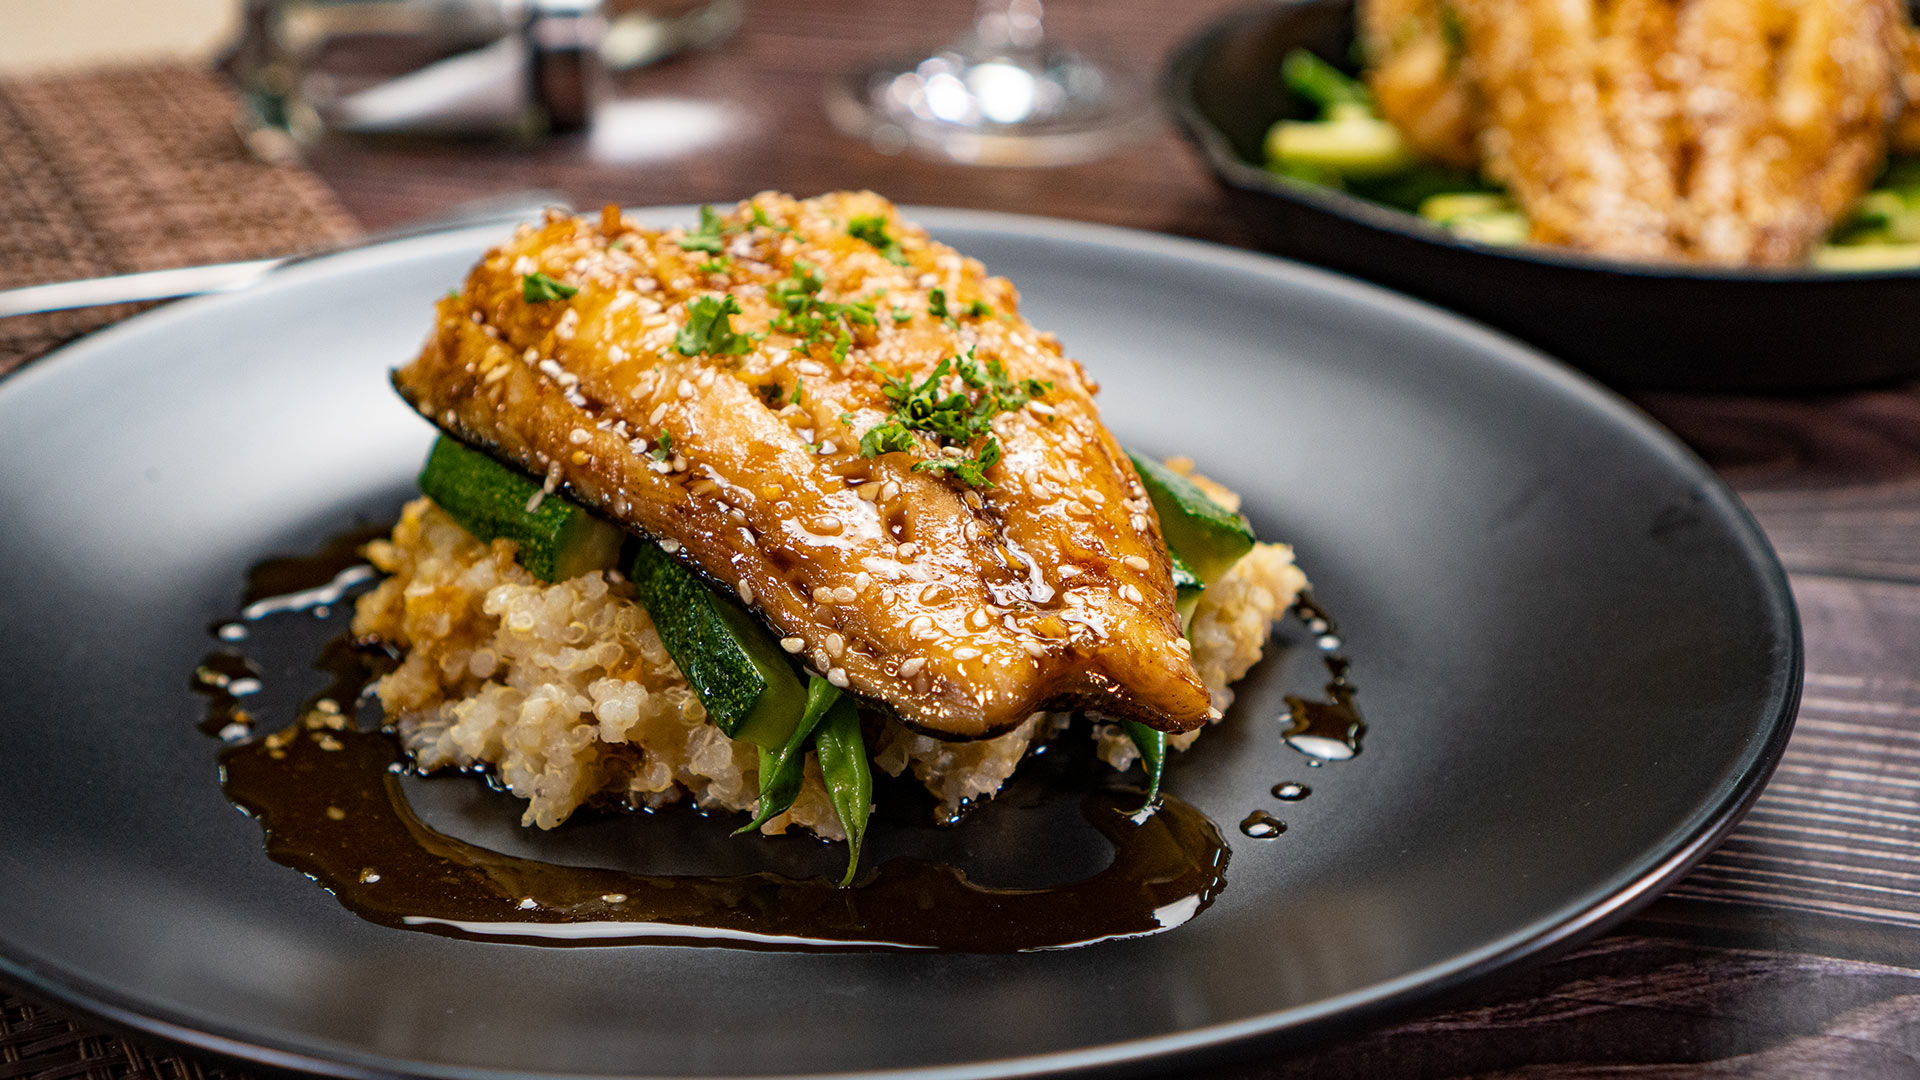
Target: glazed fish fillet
[
  {"x": 713, "y": 388},
  {"x": 1718, "y": 131},
  {"x": 1416, "y": 72}
]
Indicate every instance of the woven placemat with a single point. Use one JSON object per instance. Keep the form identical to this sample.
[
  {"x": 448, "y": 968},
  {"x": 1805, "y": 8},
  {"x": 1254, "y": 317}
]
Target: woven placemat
[
  {"x": 137, "y": 169},
  {"x": 110, "y": 173}
]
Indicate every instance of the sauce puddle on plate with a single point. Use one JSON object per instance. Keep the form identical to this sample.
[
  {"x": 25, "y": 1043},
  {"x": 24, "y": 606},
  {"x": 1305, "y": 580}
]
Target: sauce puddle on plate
[{"x": 328, "y": 794}]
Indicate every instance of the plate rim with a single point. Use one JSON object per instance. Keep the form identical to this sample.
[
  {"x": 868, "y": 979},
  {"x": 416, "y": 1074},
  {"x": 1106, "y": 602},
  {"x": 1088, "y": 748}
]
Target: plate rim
[{"x": 1298, "y": 1026}]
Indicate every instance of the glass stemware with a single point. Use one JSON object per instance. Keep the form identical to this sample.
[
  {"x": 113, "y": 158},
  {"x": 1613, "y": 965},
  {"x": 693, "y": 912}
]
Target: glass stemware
[{"x": 1005, "y": 94}]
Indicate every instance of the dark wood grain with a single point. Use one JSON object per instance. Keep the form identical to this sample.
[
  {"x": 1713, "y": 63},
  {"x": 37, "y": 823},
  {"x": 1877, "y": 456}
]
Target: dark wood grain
[{"x": 1834, "y": 480}]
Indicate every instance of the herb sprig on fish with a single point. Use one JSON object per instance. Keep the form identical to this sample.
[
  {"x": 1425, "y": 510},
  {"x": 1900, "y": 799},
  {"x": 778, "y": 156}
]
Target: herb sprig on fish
[
  {"x": 956, "y": 419},
  {"x": 814, "y": 321}
]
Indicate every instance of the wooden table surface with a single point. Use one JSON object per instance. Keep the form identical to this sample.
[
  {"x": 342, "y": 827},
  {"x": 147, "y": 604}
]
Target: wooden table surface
[{"x": 1767, "y": 962}]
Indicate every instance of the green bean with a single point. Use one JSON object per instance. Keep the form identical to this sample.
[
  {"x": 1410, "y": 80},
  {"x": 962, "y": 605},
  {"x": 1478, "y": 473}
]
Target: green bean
[
  {"x": 1320, "y": 82},
  {"x": 783, "y": 770},
  {"x": 843, "y": 765},
  {"x": 1152, "y": 745}
]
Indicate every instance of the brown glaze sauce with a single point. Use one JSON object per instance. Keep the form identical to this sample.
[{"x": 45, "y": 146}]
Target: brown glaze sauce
[
  {"x": 1328, "y": 729},
  {"x": 329, "y": 798}
]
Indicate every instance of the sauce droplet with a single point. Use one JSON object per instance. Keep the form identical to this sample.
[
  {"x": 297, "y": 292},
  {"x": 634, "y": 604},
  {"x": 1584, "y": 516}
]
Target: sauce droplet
[
  {"x": 1262, "y": 826},
  {"x": 1329, "y": 729},
  {"x": 1290, "y": 791}
]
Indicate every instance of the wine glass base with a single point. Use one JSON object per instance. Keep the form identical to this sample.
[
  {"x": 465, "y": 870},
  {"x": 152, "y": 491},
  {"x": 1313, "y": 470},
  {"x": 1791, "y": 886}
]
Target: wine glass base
[{"x": 1040, "y": 106}]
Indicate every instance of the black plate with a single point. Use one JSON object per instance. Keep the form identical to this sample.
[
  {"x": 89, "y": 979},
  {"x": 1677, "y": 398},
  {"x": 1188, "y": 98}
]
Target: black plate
[
  {"x": 1576, "y": 652},
  {"x": 1639, "y": 326}
]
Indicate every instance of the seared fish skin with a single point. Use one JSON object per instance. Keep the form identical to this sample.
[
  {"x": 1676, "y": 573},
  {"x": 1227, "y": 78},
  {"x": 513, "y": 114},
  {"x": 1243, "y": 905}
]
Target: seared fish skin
[
  {"x": 1728, "y": 132},
  {"x": 963, "y": 607}
]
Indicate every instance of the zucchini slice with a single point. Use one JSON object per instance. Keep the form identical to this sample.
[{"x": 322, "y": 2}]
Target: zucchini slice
[
  {"x": 741, "y": 675},
  {"x": 1186, "y": 589},
  {"x": 555, "y": 540},
  {"x": 1207, "y": 536}
]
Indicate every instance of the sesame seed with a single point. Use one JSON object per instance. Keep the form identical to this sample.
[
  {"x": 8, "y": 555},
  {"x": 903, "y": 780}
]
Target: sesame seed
[
  {"x": 659, "y": 411},
  {"x": 821, "y": 660},
  {"x": 808, "y": 367},
  {"x": 977, "y": 620},
  {"x": 908, "y": 549},
  {"x": 861, "y": 580},
  {"x": 823, "y": 595},
  {"x": 578, "y": 436},
  {"x": 1041, "y": 407},
  {"x": 1213, "y": 714},
  {"x": 1034, "y": 649},
  {"x": 1070, "y": 571},
  {"x": 706, "y": 378},
  {"x": 581, "y": 457},
  {"x": 685, "y": 390},
  {"x": 531, "y": 355},
  {"x": 1139, "y": 522},
  {"x": 616, "y": 354},
  {"x": 793, "y": 644},
  {"x": 845, "y": 594},
  {"x": 671, "y": 547},
  {"x": 746, "y": 591},
  {"x": 1138, "y": 562},
  {"x": 1131, "y": 593},
  {"x": 965, "y": 652},
  {"x": 910, "y": 668},
  {"x": 828, "y": 447},
  {"x": 890, "y": 491},
  {"x": 838, "y": 677},
  {"x": 835, "y": 645}
]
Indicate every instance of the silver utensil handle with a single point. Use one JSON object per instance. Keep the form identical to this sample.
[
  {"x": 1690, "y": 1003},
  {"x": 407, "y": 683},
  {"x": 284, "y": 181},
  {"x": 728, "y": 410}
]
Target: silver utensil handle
[{"x": 226, "y": 277}]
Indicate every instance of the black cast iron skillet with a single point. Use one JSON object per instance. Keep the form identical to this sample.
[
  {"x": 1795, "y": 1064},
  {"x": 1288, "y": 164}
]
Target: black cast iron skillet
[{"x": 1637, "y": 326}]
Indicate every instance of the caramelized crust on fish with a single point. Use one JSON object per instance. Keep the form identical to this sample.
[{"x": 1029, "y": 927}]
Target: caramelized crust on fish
[
  {"x": 1717, "y": 131},
  {"x": 1415, "y": 72},
  {"x": 964, "y": 608}
]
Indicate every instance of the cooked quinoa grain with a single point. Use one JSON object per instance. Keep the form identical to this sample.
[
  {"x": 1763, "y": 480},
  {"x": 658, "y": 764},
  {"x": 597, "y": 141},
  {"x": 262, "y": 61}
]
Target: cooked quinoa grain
[{"x": 567, "y": 694}]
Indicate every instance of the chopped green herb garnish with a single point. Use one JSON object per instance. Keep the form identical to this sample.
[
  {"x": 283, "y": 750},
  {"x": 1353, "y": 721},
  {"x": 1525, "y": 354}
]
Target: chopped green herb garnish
[
  {"x": 799, "y": 391},
  {"x": 762, "y": 221},
  {"x": 770, "y": 393},
  {"x": 719, "y": 265},
  {"x": 538, "y": 287},
  {"x": 873, "y": 229},
  {"x": 978, "y": 310},
  {"x": 708, "y": 329},
  {"x": 901, "y": 315},
  {"x": 968, "y": 470},
  {"x": 663, "y": 449},
  {"x": 814, "y": 321},
  {"x": 956, "y": 420},
  {"x": 454, "y": 294},
  {"x": 617, "y": 245},
  {"x": 709, "y": 237},
  {"x": 937, "y": 304}
]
